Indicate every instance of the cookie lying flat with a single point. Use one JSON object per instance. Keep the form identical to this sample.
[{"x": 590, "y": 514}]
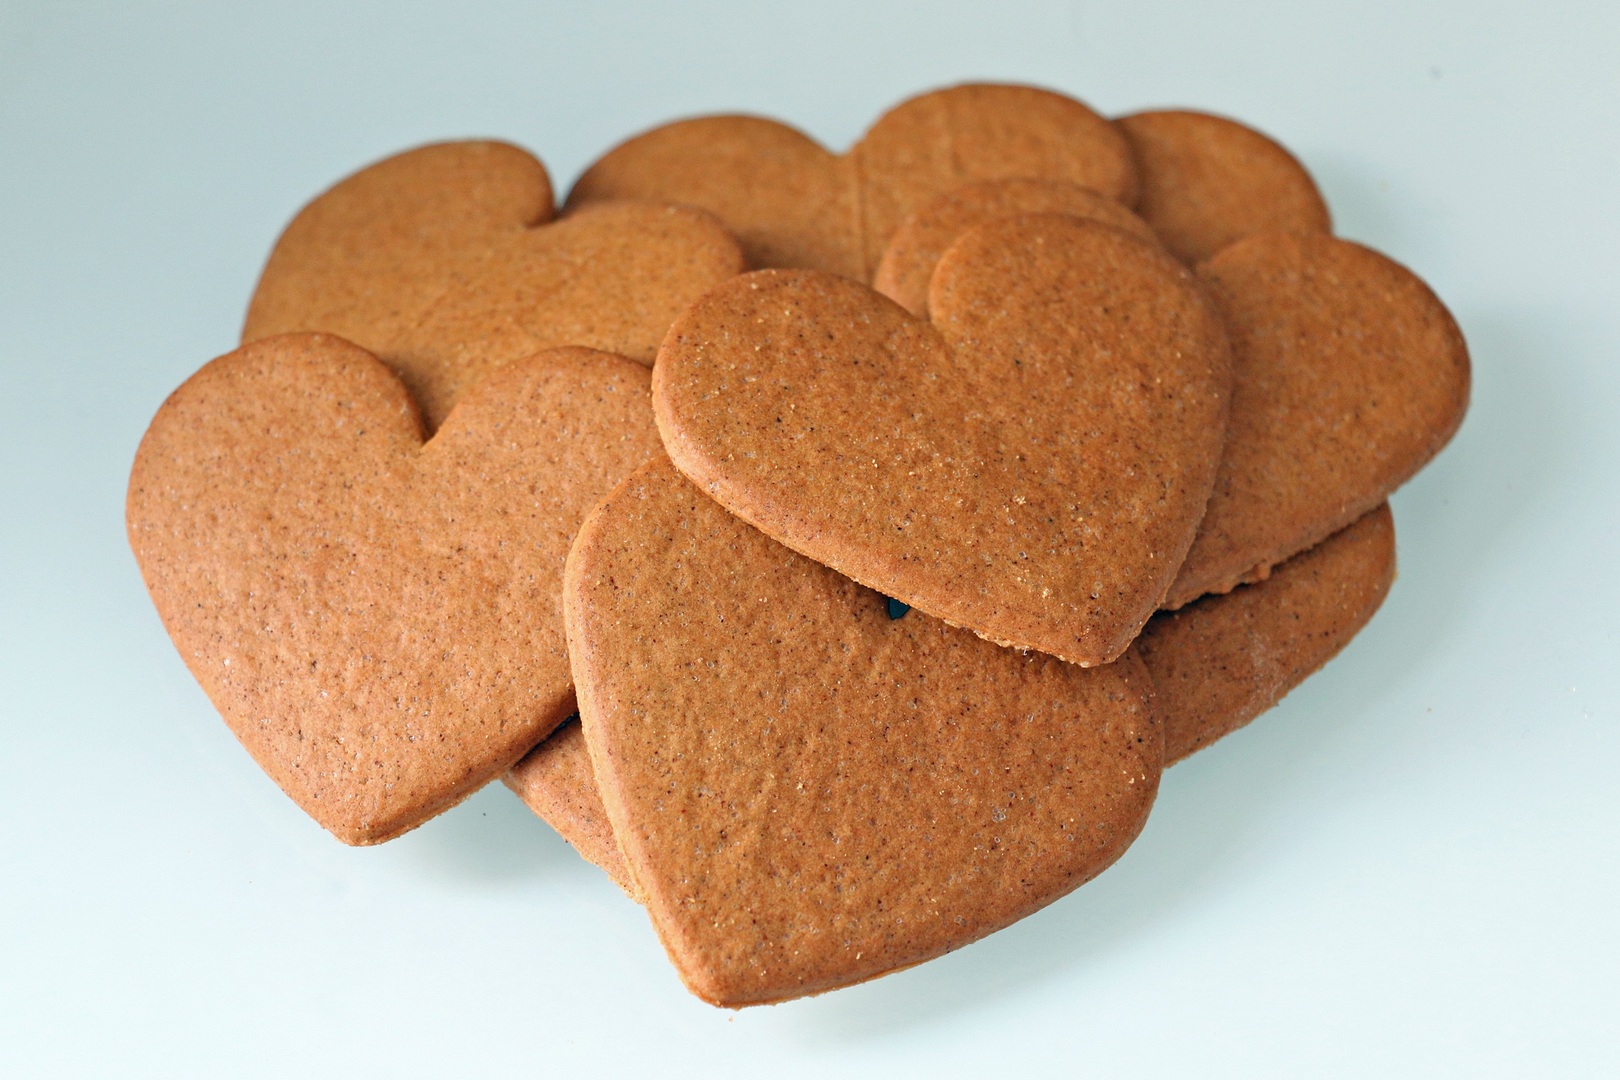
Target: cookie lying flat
[
  {"x": 1349, "y": 374},
  {"x": 1223, "y": 660},
  {"x": 1215, "y": 665},
  {"x": 796, "y": 205},
  {"x": 1032, "y": 465},
  {"x": 915, "y": 247},
  {"x": 1328, "y": 337},
  {"x": 1208, "y": 181},
  {"x": 377, "y": 619},
  {"x": 810, "y": 793},
  {"x": 445, "y": 262}
]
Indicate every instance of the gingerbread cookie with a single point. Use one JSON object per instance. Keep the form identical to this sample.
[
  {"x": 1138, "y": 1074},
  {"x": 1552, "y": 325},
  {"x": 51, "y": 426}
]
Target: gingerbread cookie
[
  {"x": 1031, "y": 465},
  {"x": 1349, "y": 374},
  {"x": 1223, "y": 660},
  {"x": 915, "y": 248},
  {"x": 809, "y": 792},
  {"x": 377, "y": 619},
  {"x": 1215, "y": 665},
  {"x": 794, "y": 204},
  {"x": 446, "y": 262},
  {"x": 1207, "y": 182}
]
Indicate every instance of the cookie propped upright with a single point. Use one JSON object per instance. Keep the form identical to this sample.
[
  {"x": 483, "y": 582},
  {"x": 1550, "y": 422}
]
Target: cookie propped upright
[
  {"x": 795, "y": 204},
  {"x": 810, "y": 793},
  {"x": 447, "y": 261}
]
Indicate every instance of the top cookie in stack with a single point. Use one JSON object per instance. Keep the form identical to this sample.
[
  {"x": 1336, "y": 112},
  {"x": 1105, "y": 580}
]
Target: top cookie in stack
[{"x": 853, "y": 584}]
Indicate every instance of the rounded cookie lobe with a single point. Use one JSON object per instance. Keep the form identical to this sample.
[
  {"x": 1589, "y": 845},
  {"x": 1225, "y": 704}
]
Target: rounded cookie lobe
[
  {"x": 1208, "y": 182},
  {"x": 1032, "y": 466},
  {"x": 915, "y": 247},
  {"x": 1223, "y": 660},
  {"x": 445, "y": 261},
  {"x": 788, "y": 200},
  {"x": 808, "y": 792},
  {"x": 377, "y": 619},
  {"x": 1349, "y": 375}
]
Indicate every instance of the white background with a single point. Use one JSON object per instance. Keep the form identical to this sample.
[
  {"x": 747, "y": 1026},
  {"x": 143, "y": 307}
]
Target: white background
[{"x": 1409, "y": 869}]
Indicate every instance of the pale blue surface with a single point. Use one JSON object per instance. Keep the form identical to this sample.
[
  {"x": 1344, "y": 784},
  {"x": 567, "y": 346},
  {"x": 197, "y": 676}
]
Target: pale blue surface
[{"x": 1407, "y": 870}]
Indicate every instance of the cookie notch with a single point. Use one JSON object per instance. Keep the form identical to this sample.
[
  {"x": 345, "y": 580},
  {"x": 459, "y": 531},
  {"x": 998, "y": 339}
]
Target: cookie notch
[{"x": 796, "y": 205}]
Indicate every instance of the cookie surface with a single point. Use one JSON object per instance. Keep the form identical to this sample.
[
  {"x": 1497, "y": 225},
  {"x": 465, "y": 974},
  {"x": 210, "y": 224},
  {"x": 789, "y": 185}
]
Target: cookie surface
[
  {"x": 1207, "y": 182},
  {"x": 377, "y": 619},
  {"x": 1215, "y": 665},
  {"x": 915, "y": 248},
  {"x": 1031, "y": 465},
  {"x": 1349, "y": 374},
  {"x": 1223, "y": 660},
  {"x": 808, "y": 792},
  {"x": 445, "y": 261},
  {"x": 794, "y": 204}
]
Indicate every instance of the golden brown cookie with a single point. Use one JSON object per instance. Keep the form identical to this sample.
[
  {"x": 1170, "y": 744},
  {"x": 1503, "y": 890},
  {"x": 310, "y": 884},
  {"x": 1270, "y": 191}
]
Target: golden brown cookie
[
  {"x": 1223, "y": 660},
  {"x": 446, "y": 262},
  {"x": 1348, "y": 375},
  {"x": 1207, "y": 181},
  {"x": 1215, "y": 665},
  {"x": 915, "y": 247},
  {"x": 808, "y": 792},
  {"x": 1032, "y": 465},
  {"x": 377, "y": 618},
  {"x": 556, "y": 781},
  {"x": 794, "y": 204}
]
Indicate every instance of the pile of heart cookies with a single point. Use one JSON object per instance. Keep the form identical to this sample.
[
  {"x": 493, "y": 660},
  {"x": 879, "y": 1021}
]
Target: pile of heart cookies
[{"x": 834, "y": 548}]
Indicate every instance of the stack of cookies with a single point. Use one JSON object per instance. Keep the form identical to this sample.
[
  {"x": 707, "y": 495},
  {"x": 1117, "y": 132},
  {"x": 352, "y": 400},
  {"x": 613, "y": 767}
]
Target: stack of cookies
[{"x": 833, "y": 548}]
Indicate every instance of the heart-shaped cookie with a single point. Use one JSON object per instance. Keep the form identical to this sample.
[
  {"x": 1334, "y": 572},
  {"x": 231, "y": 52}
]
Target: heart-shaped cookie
[
  {"x": 916, "y": 246},
  {"x": 1215, "y": 665},
  {"x": 1031, "y": 465},
  {"x": 445, "y": 262},
  {"x": 1327, "y": 336},
  {"x": 1208, "y": 182},
  {"x": 1223, "y": 660},
  {"x": 378, "y": 619},
  {"x": 810, "y": 793},
  {"x": 794, "y": 204},
  {"x": 1349, "y": 374}
]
